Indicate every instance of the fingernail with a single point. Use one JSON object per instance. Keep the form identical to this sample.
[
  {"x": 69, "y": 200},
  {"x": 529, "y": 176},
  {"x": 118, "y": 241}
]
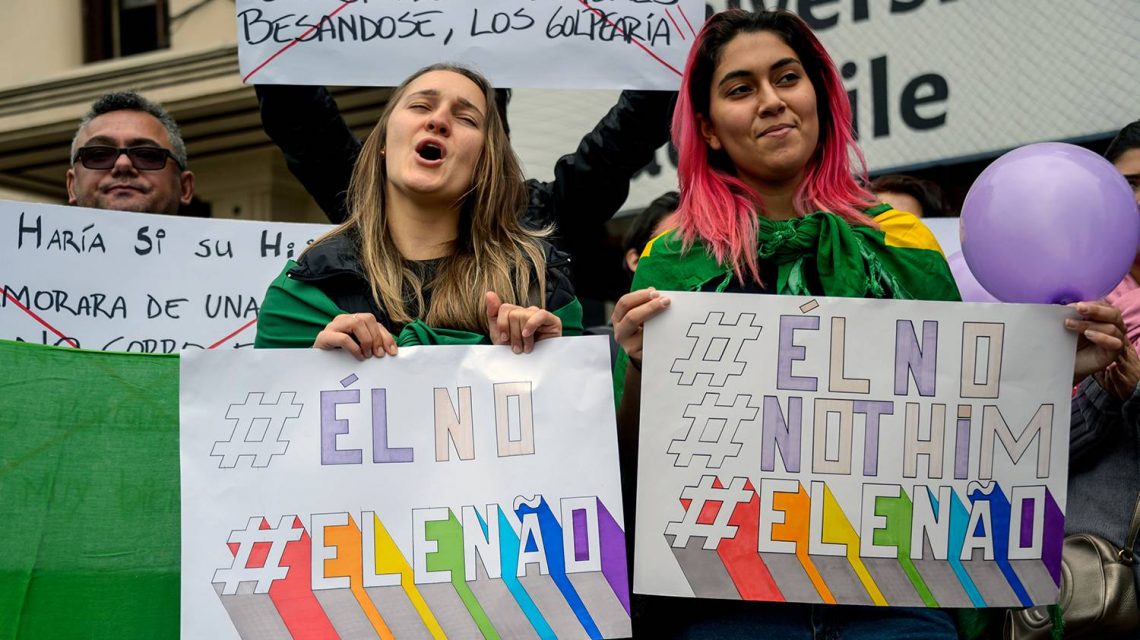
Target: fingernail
[
  {"x": 1070, "y": 323},
  {"x": 664, "y": 302},
  {"x": 527, "y": 332},
  {"x": 1082, "y": 307},
  {"x": 392, "y": 350},
  {"x": 503, "y": 337},
  {"x": 379, "y": 351},
  {"x": 516, "y": 349},
  {"x": 653, "y": 293}
]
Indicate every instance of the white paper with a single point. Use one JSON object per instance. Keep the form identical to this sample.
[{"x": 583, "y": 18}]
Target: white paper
[
  {"x": 557, "y": 44},
  {"x": 117, "y": 281},
  {"x": 730, "y": 378},
  {"x": 319, "y": 421}
]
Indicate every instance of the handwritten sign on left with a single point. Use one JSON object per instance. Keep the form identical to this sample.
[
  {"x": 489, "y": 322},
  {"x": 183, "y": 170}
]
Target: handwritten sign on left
[
  {"x": 551, "y": 44},
  {"x": 145, "y": 283}
]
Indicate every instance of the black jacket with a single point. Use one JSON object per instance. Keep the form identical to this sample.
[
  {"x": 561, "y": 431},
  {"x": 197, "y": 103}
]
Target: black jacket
[
  {"x": 333, "y": 266},
  {"x": 589, "y": 185}
]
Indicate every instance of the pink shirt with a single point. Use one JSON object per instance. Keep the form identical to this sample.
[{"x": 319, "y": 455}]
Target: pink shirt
[{"x": 1126, "y": 297}]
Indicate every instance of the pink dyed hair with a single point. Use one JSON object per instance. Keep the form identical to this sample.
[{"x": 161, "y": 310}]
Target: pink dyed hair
[{"x": 716, "y": 206}]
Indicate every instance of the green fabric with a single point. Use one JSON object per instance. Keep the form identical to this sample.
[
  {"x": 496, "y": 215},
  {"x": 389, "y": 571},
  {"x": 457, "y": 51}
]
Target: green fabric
[
  {"x": 89, "y": 494},
  {"x": 294, "y": 312},
  {"x": 846, "y": 261}
]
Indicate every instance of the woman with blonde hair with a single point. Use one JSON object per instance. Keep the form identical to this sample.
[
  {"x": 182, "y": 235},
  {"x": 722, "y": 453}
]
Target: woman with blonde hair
[{"x": 433, "y": 251}]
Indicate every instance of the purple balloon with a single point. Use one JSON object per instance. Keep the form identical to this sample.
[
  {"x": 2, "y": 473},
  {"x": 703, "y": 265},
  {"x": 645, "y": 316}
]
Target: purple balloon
[
  {"x": 1050, "y": 223},
  {"x": 967, "y": 284}
]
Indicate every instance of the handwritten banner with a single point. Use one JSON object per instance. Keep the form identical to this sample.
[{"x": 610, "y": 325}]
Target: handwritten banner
[
  {"x": 115, "y": 281},
  {"x": 437, "y": 493},
  {"x": 557, "y": 44},
  {"x": 847, "y": 451}
]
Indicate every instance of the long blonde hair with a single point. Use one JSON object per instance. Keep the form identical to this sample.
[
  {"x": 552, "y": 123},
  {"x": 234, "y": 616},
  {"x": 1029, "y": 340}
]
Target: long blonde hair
[{"x": 492, "y": 251}]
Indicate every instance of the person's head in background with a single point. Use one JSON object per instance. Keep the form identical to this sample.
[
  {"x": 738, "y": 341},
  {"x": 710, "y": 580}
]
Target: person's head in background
[
  {"x": 128, "y": 155},
  {"x": 1124, "y": 153},
  {"x": 921, "y": 197},
  {"x": 653, "y": 220}
]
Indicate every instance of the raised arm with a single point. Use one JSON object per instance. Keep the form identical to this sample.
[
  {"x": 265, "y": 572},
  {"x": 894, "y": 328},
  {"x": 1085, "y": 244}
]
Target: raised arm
[
  {"x": 320, "y": 149},
  {"x": 591, "y": 184}
]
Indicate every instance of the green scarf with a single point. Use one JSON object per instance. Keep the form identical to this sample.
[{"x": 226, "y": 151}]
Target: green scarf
[
  {"x": 294, "y": 312},
  {"x": 818, "y": 254}
]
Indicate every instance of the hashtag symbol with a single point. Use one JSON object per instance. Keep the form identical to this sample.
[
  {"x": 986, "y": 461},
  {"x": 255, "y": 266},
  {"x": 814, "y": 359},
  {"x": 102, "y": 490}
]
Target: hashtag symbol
[
  {"x": 711, "y": 429},
  {"x": 253, "y": 538},
  {"x": 708, "y": 508},
  {"x": 257, "y": 430},
  {"x": 715, "y": 348}
]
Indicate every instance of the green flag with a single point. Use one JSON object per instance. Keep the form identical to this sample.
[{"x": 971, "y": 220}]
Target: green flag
[{"x": 89, "y": 500}]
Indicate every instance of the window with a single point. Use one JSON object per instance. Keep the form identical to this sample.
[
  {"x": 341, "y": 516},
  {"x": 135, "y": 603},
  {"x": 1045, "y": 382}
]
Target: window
[{"x": 116, "y": 28}]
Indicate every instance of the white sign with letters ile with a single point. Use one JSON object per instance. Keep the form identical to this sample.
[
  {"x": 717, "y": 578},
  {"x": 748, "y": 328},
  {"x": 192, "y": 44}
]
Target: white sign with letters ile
[
  {"x": 557, "y": 44},
  {"x": 147, "y": 283},
  {"x": 445, "y": 492},
  {"x": 849, "y": 451}
]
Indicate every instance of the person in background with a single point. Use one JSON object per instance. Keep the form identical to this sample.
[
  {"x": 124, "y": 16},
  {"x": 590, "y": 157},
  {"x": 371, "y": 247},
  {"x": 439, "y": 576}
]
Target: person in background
[
  {"x": 653, "y": 220},
  {"x": 1124, "y": 153},
  {"x": 921, "y": 197},
  {"x": 433, "y": 250},
  {"x": 128, "y": 155}
]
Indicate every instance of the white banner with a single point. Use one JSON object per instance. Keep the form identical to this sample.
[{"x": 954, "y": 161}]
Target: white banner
[
  {"x": 448, "y": 491},
  {"x": 115, "y": 281},
  {"x": 852, "y": 451},
  {"x": 560, "y": 44}
]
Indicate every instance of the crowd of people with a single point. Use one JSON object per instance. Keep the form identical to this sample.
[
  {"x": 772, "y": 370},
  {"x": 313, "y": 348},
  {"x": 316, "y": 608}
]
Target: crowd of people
[{"x": 440, "y": 239}]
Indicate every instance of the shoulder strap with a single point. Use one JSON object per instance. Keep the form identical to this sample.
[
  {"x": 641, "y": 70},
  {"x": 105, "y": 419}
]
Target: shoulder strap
[{"x": 1126, "y": 554}]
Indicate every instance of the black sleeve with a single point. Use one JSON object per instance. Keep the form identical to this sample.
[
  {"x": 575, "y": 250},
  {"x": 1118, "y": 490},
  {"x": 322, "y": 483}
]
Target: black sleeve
[
  {"x": 1096, "y": 420},
  {"x": 320, "y": 149},
  {"x": 591, "y": 184}
]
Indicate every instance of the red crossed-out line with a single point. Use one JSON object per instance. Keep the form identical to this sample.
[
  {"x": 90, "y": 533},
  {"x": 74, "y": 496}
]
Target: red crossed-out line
[
  {"x": 299, "y": 38},
  {"x": 235, "y": 332},
  {"x": 686, "y": 18},
  {"x": 47, "y": 325},
  {"x": 635, "y": 41},
  {"x": 38, "y": 319},
  {"x": 680, "y": 31}
]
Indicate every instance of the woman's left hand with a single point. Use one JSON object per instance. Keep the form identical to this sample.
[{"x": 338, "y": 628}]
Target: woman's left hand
[
  {"x": 1100, "y": 337},
  {"x": 1122, "y": 376},
  {"x": 518, "y": 326}
]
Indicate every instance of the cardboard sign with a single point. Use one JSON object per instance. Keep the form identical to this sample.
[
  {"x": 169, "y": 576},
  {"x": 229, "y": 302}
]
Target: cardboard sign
[
  {"x": 438, "y": 493},
  {"x": 558, "y": 44},
  {"x": 849, "y": 451}
]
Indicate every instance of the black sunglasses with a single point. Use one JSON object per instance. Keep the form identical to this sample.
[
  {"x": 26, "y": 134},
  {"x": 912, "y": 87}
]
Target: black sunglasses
[{"x": 100, "y": 157}]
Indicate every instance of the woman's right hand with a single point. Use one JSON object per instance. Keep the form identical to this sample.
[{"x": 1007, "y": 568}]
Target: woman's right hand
[
  {"x": 357, "y": 333},
  {"x": 629, "y": 317}
]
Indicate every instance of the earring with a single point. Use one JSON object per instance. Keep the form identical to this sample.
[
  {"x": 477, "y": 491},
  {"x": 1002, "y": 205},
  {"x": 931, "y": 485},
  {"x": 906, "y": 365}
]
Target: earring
[{"x": 381, "y": 153}]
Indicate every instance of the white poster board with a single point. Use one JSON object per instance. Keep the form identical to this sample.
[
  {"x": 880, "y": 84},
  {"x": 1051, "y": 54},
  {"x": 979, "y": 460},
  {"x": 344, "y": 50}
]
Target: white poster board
[
  {"x": 448, "y": 491},
  {"x": 140, "y": 282},
  {"x": 557, "y": 44},
  {"x": 853, "y": 451}
]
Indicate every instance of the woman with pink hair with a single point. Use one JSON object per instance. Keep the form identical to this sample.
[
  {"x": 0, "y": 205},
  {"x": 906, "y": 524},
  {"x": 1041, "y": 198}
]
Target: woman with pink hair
[{"x": 770, "y": 205}]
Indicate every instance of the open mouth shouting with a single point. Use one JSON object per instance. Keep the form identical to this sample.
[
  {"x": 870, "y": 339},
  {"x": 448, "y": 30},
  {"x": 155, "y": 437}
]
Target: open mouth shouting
[{"x": 431, "y": 152}]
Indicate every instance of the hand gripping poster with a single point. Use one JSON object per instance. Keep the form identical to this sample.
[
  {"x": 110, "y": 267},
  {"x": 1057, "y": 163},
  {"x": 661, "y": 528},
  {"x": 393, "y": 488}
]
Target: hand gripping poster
[
  {"x": 847, "y": 451},
  {"x": 446, "y": 492}
]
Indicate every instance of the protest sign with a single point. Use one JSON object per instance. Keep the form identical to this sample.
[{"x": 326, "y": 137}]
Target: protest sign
[
  {"x": 448, "y": 491},
  {"x": 117, "y": 281},
  {"x": 556, "y": 44},
  {"x": 849, "y": 451}
]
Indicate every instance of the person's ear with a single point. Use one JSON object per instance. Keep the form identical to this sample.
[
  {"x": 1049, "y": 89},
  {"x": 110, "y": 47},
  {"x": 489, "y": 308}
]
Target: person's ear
[
  {"x": 631, "y": 258},
  {"x": 708, "y": 132},
  {"x": 187, "y": 183},
  {"x": 72, "y": 199}
]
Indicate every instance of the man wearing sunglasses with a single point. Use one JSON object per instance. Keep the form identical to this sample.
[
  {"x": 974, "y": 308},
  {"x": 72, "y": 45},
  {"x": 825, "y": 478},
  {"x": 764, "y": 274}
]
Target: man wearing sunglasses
[{"x": 128, "y": 155}]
